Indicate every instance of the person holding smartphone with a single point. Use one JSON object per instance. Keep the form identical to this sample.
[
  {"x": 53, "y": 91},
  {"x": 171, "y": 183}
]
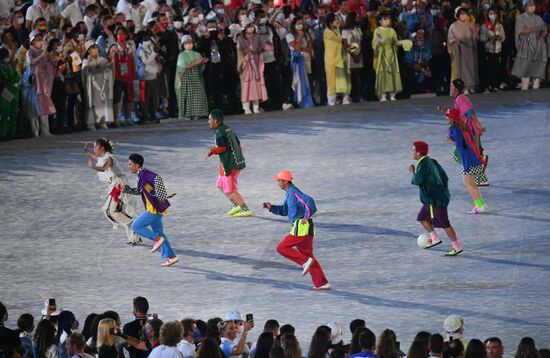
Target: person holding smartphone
[{"x": 230, "y": 346}]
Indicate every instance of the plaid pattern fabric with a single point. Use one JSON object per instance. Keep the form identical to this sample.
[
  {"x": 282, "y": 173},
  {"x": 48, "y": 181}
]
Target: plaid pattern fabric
[
  {"x": 481, "y": 178},
  {"x": 193, "y": 101},
  {"x": 160, "y": 190},
  {"x": 475, "y": 170}
]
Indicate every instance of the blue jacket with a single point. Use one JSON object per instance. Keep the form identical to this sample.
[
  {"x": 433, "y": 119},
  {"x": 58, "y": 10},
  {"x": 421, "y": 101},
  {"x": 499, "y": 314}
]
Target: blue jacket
[{"x": 295, "y": 205}]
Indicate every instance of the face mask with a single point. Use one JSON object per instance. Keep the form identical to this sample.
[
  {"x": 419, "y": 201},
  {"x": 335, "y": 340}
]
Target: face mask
[
  {"x": 20, "y": 21},
  {"x": 435, "y": 12},
  {"x": 492, "y": 17},
  {"x": 80, "y": 37},
  {"x": 212, "y": 30},
  {"x": 263, "y": 21},
  {"x": 201, "y": 17},
  {"x": 227, "y": 2},
  {"x": 220, "y": 12},
  {"x": 486, "y": 6},
  {"x": 195, "y": 20},
  {"x": 307, "y": 22},
  {"x": 242, "y": 17},
  {"x": 147, "y": 43},
  {"x": 188, "y": 46},
  {"x": 75, "y": 325},
  {"x": 112, "y": 28},
  {"x": 463, "y": 17},
  {"x": 131, "y": 29},
  {"x": 121, "y": 38},
  {"x": 178, "y": 24},
  {"x": 299, "y": 27},
  {"x": 90, "y": 2},
  {"x": 42, "y": 28}
]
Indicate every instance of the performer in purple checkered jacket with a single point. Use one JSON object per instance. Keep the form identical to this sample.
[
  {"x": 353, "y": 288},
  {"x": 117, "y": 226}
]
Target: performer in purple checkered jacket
[{"x": 153, "y": 193}]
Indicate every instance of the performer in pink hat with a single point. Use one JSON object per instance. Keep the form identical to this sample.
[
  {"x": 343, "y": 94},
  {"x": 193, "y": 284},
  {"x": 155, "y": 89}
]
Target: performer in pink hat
[{"x": 298, "y": 244}]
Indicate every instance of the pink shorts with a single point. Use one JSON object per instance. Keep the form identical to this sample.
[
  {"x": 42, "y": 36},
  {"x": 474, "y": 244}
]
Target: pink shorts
[{"x": 228, "y": 183}]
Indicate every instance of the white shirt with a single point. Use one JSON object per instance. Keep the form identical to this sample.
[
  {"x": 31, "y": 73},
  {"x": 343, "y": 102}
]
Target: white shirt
[
  {"x": 187, "y": 349},
  {"x": 163, "y": 351},
  {"x": 90, "y": 24},
  {"x": 35, "y": 11},
  {"x": 6, "y": 7},
  {"x": 74, "y": 13}
]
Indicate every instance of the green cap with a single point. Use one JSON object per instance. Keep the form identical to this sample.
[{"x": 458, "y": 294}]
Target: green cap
[{"x": 217, "y": 114}]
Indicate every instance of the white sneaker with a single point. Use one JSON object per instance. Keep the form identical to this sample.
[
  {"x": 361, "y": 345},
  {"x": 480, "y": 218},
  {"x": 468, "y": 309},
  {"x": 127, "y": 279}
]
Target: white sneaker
[
  {"x": 287, "y": 106},
  {"x": 256, "y": 109},
  {"x": 325, "y": 287},
  {"x": 383, "y": 98},
  {"x": 347, "y": 100},
  {"x": 307, "y": 266},
  {"x": 247, "y": 111},
  {"x": 392, "y": 97}
]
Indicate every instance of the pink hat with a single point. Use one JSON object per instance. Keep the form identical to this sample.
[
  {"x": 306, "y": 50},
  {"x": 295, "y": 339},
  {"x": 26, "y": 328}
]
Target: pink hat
[{"x": 283, "y": 175}]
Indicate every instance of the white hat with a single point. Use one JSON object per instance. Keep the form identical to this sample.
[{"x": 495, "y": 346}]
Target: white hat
[
  {"x": 88, "y": 44},
  {"x": 45, "y": 309},
  {"x": 336, "y": 332},
  {"x": 234, "y": 316},
  {"x": 453, "y": 323},
  {"x": 33, "y": 35}
]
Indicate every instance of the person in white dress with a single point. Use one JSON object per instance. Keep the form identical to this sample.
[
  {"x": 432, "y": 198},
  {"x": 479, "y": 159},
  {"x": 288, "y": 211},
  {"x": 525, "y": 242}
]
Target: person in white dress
[{"x": 119, "y": 208}]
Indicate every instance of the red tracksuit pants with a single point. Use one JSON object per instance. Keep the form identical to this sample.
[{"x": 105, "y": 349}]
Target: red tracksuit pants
[{"x": 300, "y": 254}]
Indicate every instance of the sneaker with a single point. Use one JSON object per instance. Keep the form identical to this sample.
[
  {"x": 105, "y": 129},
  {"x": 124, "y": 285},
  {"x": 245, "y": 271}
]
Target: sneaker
[
  {"x": 170, "y": 261},
  {"x": 477, "y": 210},
  {"x": 347, "y": 100},
  {"x": 325, "y": 287},
  {"x": 307, "y": 266},
  {"x": 103, "y": 125},
  {"x": 392, "y": 98},
  {"x": 243, "y": 214},
  {"x": 432, "y": 243},
  {"x": 383, "y": 98},
  {"x": 483, "y": 183},
  {"x": 235, "y": 210},
  {"x": 454, "y": 252},
  {"x": 158, "y": 242},
  {"x": 287, "y": 106}
]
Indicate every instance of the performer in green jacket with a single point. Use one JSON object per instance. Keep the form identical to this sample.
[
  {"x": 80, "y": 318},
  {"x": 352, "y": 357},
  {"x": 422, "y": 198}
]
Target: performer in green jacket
[{"x": 434, "y": 195}]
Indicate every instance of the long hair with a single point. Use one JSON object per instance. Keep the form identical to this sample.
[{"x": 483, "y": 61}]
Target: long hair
[
  {"x": 418, "y": 349},
  {"x": 44, "y": 337},
  {"x": 291, "y": 346},
  {"x": 526, "y": 347},
  {"x": 210, "y": 348},
  {"x": 87, "y": 329},
  {"x": 320, "y": 342},
  {"x": 105, "y": 144},
  {"x": 386, "y": 347},
  {"x": 265, "y": 342},
  {"x": 293, "y": 27},
  {"x": 64, "y": 323},
  {"x": 476, "y": 349},
  {"x": 355, "y": 346},
  {"x": 104, "y": 336}
]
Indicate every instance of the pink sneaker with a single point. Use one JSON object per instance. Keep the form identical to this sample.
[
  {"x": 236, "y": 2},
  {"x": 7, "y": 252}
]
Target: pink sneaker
[
  {"x": 158, "y": 242},
  {"x": 170, "y": 261}
]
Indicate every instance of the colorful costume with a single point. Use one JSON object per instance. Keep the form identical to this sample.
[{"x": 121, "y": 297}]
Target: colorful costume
[
  {"x": 336, "y": 66},
  {"x": 385, "y": 62},
  {"x": 189, "y": 86}
]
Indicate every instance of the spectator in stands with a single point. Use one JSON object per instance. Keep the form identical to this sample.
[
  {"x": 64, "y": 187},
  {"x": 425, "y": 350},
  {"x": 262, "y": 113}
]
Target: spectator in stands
[
  {"x": 336, "y": 61},
  {"x": 209, "y": 349},
  {"x": 526, "y": 348},
  {"x": 435, "y": 346},
  {"x": 135, "y": 327},
  {"x": 492, "y": 37},
  {"x": 171, "y": 333},
  {"x": 320, "y": 343},
  {"x": 187, "y": 344},
  {"x": 291, "y": 346},
  {"x": 10, "y": 343},
  {"x": 494, "y": 347},
  {"x": 122, "y": 56},
  {"x": 385, "y": 43},
  {"x": 106, "y": 340},
  {"x": 367, "y": 342},
  {"x": 462, "y": 41},
  {"x": 475, "y": 349},
  {"x": 45, "y": 340},
  {"x": 25, "y": 327},
  {"x": 264, "y": 345},
  {"x": 353, "y": 35},
  {"x": 86, "y": 330},
  {"x": 301, "y": 51},
  {"x": 386, "y": 346},
  {"x": 229, "y": 346},
  {"x": 75, "y": 346}
]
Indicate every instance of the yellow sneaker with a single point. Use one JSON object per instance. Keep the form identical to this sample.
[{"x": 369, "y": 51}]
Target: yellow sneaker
[
  {"x": 242, "y": 214},
  {"x": 235, "y": 210}
]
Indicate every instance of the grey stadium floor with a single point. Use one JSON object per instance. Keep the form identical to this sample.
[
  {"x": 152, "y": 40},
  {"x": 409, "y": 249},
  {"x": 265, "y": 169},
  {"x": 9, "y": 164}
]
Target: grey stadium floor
[{"x": 353, "y": 160}]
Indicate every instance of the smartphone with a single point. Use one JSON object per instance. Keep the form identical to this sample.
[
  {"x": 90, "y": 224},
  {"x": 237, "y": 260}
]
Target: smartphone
[
  {"x": 249, "y": 317},
  {"x": 51, "y": 302}
]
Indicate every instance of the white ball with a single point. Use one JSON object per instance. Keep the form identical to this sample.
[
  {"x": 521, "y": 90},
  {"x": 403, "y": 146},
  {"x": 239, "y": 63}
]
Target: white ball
[{"x": 422, "y": 240}]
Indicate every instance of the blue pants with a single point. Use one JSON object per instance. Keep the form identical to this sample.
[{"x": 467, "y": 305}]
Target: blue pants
[{"x": 141, "y": 227}]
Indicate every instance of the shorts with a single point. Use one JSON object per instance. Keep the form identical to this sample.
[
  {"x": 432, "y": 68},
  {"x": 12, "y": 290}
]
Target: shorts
[
  {"x": 475, "y": 170},
  {"x": 440, "y": 218},
  {"x": 123, "y": 87},
  {"x": 228, "y": 183}
]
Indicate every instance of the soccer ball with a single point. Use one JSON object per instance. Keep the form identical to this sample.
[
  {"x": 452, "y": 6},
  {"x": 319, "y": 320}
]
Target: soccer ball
[{"x": 422, "y": 240}]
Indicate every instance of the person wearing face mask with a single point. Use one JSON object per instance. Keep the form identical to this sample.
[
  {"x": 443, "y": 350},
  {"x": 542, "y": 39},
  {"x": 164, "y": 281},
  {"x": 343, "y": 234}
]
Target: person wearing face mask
[
  {"x": 148, "y": 65},
  {"x": 43, "y": 66},
  {"x": 420, "y": 19},
  {"x": 462, "y": 46},
  {"x": 136, "y": 12},
  {"x": 187, "y": 344},
  {"x": 492, "y": 37},
  {"x": 47, "y": 10},
  {"x": 9, "y": 107},
  {"x": 98, "y": 81},
  {"x": 189, "y": 85},
  {"x": 531, "y": 57},
  {"x": 73, "y": 13},
  {"x": 18, "y": 31},
  {"x": 440, "y": 57},
  {"x": 168, "y": 42},
  {"x": 208, "y": 47},
  {"x": 353, "y": 35},
  {"x": 253, "y": 90},
  {"x": 107, "y": 38},
  {"x": 301, "y": 48},
  {"x": 90, "y": 17}
]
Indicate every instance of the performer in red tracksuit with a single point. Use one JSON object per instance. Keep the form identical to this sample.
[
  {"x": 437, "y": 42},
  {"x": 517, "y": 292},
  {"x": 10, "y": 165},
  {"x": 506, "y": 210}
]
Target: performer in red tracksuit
[{"x": 299, "y": 208}]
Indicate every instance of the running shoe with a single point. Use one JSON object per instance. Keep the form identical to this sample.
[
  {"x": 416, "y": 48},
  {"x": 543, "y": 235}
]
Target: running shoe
[
  {"x": 432, "y": 243},
  {"x": 325, "y": 287},
  {"x": 243, "y": 214},
  {"x": 477, "y": 210},
  {"x": 483, "y": 183},
  {"x": 307, "y": 266},
  {"x": 453, "y": 252},
  {"x": 158, "y": 242},
  {"x": 170, "y": 261},
  {"x": 235, "y": 210}
]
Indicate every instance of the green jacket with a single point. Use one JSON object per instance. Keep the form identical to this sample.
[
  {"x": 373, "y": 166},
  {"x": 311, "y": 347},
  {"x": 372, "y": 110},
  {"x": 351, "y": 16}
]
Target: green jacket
[
  {"x": 432, "y": 181},
  {"x": 233, "y": 157}
]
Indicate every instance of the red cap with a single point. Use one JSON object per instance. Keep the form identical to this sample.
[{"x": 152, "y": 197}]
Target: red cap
[
  {"x": 283, "y": 175},
  {"x": 453, "y": 114},
  {"x": 421, "y": 147}
]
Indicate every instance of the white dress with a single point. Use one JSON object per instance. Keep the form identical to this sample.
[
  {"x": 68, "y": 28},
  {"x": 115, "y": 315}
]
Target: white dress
[{"x": 119, "y": 214}]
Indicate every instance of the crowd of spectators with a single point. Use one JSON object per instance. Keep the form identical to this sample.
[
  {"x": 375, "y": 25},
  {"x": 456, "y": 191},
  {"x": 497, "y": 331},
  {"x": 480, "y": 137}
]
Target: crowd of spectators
[
  {"x": 69, "y": 65},
  {"x": 103, "y": 336}
]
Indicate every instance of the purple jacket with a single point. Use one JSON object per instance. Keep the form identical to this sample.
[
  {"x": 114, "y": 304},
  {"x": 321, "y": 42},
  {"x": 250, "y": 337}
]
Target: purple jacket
[{"x": 146, "y": 186}]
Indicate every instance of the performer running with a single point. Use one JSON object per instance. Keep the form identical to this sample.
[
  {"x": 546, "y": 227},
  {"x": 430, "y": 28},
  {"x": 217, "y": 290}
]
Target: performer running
[
  {"x": 153, "y": 193},
  {"x": 299, "y": 208},
  {"x": 119, "y": 208},
  {"x": 434, "y": 195},
  {"x": 228, "y": 147},
  {"x": 469, "y": 117},
  {"x": 469, "y": 156}
]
